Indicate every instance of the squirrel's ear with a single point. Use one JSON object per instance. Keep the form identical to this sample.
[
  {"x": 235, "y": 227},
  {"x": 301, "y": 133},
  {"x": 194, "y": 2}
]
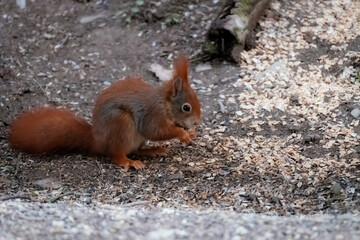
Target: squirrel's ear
[
  {"x": 181, "y": 66},
  {"x": 176, "y": 86}
]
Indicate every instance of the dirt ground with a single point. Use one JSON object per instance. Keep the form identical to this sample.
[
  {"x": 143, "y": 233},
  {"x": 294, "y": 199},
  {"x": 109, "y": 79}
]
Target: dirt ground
[{"x": 278, "y": 134}]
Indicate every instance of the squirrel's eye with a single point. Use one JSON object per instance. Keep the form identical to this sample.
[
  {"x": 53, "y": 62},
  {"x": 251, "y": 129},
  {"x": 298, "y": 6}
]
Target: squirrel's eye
[{"x": 186, "y": 107}]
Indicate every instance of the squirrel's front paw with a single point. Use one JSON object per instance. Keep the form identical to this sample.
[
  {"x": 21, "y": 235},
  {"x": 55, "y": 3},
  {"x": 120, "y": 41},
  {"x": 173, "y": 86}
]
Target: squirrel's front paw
[
  {"x": 186, "y": 137},
  {"x": 192, "y": 133}
]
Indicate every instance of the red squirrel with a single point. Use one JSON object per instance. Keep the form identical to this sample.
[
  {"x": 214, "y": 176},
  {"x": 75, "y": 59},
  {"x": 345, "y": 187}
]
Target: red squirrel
[{"x": 126, "y": 115}]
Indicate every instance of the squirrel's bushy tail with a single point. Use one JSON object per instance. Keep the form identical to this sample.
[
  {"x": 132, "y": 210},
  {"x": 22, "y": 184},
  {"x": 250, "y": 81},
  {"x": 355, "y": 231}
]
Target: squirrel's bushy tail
[{"x": 46, "y": 130}]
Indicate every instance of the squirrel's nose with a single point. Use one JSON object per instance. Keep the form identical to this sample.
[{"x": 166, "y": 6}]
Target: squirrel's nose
[{"x": 196, "y": 122}]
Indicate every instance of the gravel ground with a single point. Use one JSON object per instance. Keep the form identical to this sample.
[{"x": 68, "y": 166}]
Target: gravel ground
[
  {"x": 280, "y": 132},
  {"x": 61, "y": 221}
]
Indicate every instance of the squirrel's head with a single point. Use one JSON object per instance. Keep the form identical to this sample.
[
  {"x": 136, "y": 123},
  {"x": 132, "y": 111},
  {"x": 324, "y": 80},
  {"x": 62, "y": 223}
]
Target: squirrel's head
[{"x": 185, "y": 106}]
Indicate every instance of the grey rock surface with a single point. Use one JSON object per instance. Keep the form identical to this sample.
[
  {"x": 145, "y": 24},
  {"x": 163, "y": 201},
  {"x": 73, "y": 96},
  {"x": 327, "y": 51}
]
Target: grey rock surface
[{"x": 21, "y": 220}]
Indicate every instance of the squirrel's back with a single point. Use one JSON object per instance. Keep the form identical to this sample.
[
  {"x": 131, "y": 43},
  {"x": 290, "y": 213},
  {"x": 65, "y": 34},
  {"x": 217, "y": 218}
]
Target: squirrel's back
[
  {"x": 46, "y": 130},
  {"x": 131, "y": 90},
  {"x": 131, "y": 95}
]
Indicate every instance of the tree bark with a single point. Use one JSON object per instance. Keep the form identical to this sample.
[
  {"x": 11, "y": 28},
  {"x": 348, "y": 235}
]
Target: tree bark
[{"x": 233, "y": 29}]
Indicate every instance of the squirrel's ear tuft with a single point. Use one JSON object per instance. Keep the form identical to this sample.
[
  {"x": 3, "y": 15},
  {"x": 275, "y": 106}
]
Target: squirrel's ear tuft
[{"x": 181, "y": 65}]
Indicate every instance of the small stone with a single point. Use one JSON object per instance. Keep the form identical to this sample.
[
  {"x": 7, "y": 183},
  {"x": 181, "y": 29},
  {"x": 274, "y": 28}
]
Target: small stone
[
  {"x": 312, "y": 138},
  {"x": 350, "y": 190},
  {"x": 242, "y": 230},
  {"x": 197, "y": 81},
  {"x": 336, "y": 189},
  {"x": 21, "y": 3},
  {"x": 160, "y": 72},
  {"x": 41, "y": 74},
  {"x": 203, "y": 144},
  {"x": 48, "y": 36},
  {"x": 239, "y": 113},
  {"x": 87, "y": 200},
  {"x": 203, "y": 67},
  {"x": 58, "y": 224},
  {"x": 355, "y": 113},
  {"x": 87, "y": 19},
  {"x": 339, "y": 236},
  {"x": 48, "y": 183},
  {"x": 248, "y": 87}
]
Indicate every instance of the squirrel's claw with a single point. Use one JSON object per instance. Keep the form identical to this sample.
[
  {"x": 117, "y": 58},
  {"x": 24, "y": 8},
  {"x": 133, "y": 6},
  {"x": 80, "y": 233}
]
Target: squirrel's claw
[
  {"x": 138, "y": 165},
  {"x": 126, "y": 163}
]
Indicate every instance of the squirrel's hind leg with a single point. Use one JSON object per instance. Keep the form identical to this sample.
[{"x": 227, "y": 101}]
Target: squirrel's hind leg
[{"x": 122, "y": 138}]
